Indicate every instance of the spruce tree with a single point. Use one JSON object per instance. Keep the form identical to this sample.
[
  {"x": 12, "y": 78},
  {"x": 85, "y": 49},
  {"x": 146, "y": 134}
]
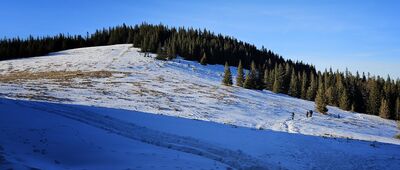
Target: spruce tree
[
  {"x": 312, "y": 89},
  {"x": 266, "y": 79},
  {"x": 294, "y": 85},
  {"x": 320, "y": 100},
  {"x": 384, "y": 111},
  {"x": 227, "y": 76},
  {"x": 271, "y": 80},
  {"x": 344, "y": 102},
  {"x": 331, "y": 96},
  {"x": 250, "y": 81},
  {"x": 160, "y": 54},
  {"x": 303, "y": 89},
  {"x": 374, "y": 97},
  {"x": 279, "y": 78},
  {"x": 203, "y": 60},
  {"x": 240, "y": 75}
]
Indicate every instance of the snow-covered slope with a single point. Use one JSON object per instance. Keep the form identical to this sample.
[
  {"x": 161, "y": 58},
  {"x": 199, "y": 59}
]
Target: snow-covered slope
[
  {"x": 48, "y": 136},
  {"x": 181, "y": 88},
  {"x": 60, "y": 136},
  {"x": 88, "y": 136}
]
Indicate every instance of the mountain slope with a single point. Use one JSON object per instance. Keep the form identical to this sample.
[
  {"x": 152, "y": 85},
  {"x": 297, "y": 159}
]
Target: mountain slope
[
  {"x": 59, "y": 136},
  {"x": 119, "y": 76}
]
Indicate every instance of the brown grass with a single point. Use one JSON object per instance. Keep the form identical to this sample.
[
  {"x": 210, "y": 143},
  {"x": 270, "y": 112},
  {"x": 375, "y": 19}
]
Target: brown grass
[
  {"x": 58, "y": 75},
  {"x": 42, "y": 97}
]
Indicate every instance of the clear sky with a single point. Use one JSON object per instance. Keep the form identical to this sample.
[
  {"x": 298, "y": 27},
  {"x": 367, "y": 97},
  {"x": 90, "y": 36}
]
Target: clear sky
[{"x": 360, "y": 35}]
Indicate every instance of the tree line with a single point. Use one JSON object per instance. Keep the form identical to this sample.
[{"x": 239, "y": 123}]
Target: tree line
[
  {"x": 267, "y": 70},
  {"x": 356, "y": 93}
]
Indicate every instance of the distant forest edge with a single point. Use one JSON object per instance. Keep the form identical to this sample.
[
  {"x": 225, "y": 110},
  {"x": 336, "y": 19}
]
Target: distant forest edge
[{"x": 353, "y": 92}]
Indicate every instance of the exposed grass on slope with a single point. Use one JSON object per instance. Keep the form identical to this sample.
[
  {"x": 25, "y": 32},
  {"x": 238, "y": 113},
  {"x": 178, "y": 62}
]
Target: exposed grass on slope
[{"x": 60, "y": 75}]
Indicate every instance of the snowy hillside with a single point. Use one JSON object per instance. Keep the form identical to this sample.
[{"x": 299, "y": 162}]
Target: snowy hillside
[
  {"x": 120, "y": 77},
  {"x": 58, "y": 136}
]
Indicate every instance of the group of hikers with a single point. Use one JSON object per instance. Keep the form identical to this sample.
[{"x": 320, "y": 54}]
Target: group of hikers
[{"x": 308, "y": 114}]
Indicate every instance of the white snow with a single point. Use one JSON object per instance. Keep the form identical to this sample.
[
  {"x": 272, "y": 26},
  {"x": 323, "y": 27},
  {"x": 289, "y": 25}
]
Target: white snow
[
  {"x": 36, "y": 135},
  {"x": 58, "y": 136},
  {"x": 189, "y": 90}
]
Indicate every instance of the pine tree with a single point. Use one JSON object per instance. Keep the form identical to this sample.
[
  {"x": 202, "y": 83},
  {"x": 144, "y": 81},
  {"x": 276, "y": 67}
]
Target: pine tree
[
  {"x": 240, "y": 75},
  {"x": 160, "y": 53},
  {"x": 203, "y": 60},
  {"x": 227, "y": 76},
  {"x": 271, "y": 80},
  {"x": 384, "y": 111},
  {"x": 266, "y": 79},
  {"x": 250, "y": 81},
  {"x": 331, "y": 95},
  {"x": 294, "y": 85},
  {"x": 259, "y": 79},
  {"x": 374, "y": 98},
  {"x": 312, "y": 89},
  {"x": 303, "y": 89},
  {"x": 130, "y": 37},
  {"x": 320, "y": 100},
  {"x": 285, "y": 82},
  {"x": 344, "y": 101},
  {"x": 279, "y": 78}
]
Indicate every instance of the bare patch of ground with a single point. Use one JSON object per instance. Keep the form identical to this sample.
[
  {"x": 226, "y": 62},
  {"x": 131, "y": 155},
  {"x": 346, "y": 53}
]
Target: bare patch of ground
[
  {"x": 58, "y": 75},
  {"x": 41, "y": 97}
]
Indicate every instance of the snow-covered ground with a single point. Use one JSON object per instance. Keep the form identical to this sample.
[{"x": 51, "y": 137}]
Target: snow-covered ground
[
  {"x": 60, "y": 136},
  {"x": 120, "y": 77},
  {"x": 180, "y": 88}
]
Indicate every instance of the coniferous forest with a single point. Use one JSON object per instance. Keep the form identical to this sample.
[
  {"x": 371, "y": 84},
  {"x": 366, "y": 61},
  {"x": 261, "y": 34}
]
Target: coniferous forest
[{"x": 267, "y": 70}]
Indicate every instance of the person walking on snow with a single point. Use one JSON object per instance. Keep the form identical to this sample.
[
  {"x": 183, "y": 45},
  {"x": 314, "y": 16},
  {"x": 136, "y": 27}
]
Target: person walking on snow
[{"x": 292, "y": 115}]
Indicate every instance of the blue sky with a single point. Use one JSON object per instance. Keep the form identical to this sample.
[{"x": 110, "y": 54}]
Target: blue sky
[{"x": 359, "y": 35}]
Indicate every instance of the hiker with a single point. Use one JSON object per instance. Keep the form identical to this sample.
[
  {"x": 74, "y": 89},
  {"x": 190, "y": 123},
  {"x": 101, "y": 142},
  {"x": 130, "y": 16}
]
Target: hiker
[
  {"x": 310, "y": 112},
  {"x": 292, "y": 115}
]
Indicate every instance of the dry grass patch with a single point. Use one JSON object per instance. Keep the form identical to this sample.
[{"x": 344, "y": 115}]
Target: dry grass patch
[
  {"x": 41, "y": 97},
  {"x": 58, "y": 75}
]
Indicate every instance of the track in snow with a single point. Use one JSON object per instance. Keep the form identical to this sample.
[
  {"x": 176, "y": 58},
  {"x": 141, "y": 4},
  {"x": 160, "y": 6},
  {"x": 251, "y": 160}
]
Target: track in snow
[{"x": 235, "y": 159}]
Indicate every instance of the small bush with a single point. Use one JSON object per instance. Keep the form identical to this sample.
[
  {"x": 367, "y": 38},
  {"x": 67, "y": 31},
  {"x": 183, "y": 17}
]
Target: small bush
[
  {"x": 162, "y": 57},
  {"x": 397, "y": 136}
]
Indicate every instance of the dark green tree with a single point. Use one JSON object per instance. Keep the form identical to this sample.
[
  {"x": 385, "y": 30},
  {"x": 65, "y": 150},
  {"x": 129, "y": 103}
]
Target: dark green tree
[
  {"x": 344, "y": 101},
  {"x": 294, "y": 85},
  {"x": 240, "y": 75},
  {"x": 384, "y": 111},
  {"x": 331, "y": 95},
  {"x": 374, "y": 97},
  {"x": 227, "y": 80},
  {"x": 250, "y": 81},
  {"x": 320, "y": 100},
  {"x": 304, "y": 85},
  {"x": 279, "y": 78},
  {"x": 312, "y": 89}
]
